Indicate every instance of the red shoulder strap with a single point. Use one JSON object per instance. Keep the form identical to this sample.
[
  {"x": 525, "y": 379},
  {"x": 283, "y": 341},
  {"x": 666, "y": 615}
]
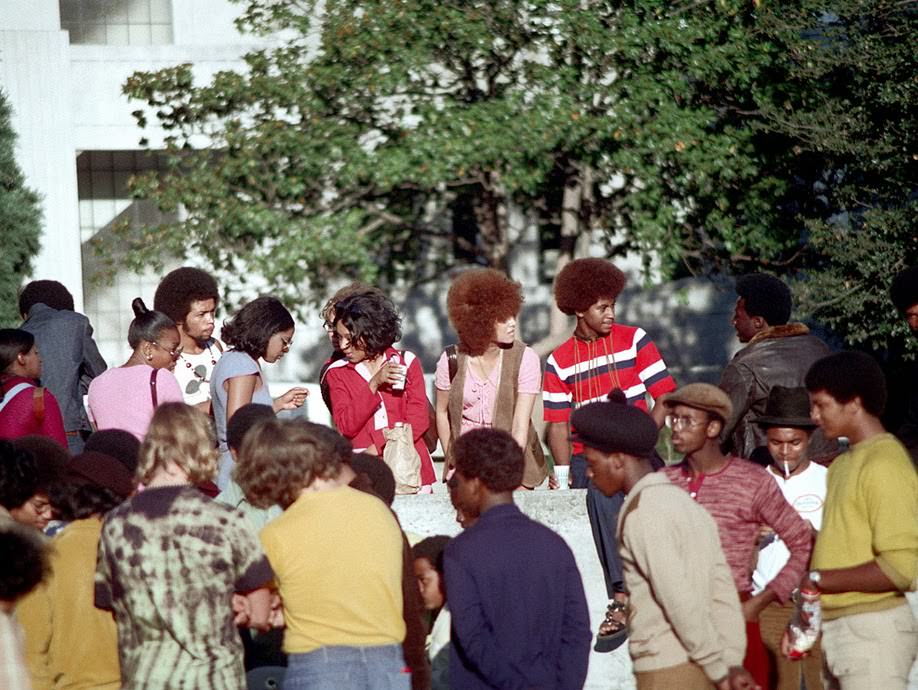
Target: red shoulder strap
[{"x": 38, "y": 403}]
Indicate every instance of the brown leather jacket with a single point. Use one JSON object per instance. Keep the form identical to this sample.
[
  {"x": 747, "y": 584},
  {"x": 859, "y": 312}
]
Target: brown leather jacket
[{"x": 776, "y": 356}]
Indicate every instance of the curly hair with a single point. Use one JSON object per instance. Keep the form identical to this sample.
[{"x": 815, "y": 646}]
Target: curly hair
[
  {"x": 48, "y": 292},
  {"x": 583, "y": 282},
  {"x": 51, "y": 459},
  {"x": 13, "y": 342},
  {"x": 477, "y": 301},
  {"x": 251, "y": 327},
  {"x": 491, "y": 455},
  {"x": 180, "y": 288},
  {"x": 904, "y": 288},
  {"x": 355, "y": 288},
  {"x": 23, "y": 563},
  {"x": 849, "y": 375},
  {"x": 372, "y": 321},
  {"x": 180, "y": 434},
  {"x": 244, "y": 419},
  {"x": 432, "y": 549},
  {"x": 281, "y": 457},
  {"x": 19, "y": 479},
  {"x": 765, "y": 296},
  {"x": 78, "y": 501},
  {"x": 147, "y": 325},
  {"x": 117, "y": 443}
]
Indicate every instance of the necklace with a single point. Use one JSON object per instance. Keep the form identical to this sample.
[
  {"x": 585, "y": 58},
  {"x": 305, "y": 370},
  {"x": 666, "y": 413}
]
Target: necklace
[
  {"x": 194, "y": 369},
  {"x": 583, "y": 369}
]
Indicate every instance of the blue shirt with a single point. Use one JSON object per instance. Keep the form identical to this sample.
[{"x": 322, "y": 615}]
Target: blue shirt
[{"x": 519, "y": 613}]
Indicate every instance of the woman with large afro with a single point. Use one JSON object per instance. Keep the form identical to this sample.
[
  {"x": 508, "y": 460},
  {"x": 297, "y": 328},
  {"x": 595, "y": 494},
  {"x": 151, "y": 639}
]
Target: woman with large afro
[{"x": 490, "y": 379}]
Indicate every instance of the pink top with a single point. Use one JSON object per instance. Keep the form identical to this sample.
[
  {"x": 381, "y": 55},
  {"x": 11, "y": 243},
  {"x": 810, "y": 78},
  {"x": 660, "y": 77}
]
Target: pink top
[
  {"x": 121, "y": 398},
  {"x": 480, "y": 394}
]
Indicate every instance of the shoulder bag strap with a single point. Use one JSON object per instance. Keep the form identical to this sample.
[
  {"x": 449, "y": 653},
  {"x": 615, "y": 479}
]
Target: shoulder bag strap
[
  {"x": 153, "y": 387},
  {"x": 13, "y": 392},
  {"x": 38, "y": 404}
]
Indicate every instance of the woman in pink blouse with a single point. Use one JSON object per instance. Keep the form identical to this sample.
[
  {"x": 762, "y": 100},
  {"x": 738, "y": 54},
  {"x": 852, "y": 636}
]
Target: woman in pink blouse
[
  {"x": 125, "y": 397},
  {"x": 490, "y": 379},
  {"x": 375, "y": 387}
]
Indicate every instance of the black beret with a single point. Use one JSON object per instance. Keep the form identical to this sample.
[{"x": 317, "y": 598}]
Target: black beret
[{"x": 615, "y": 427}]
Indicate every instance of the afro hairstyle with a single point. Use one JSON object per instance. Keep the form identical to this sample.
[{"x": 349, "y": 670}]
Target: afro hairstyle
[
  {"x": 48, "y": 292},
  {"x": 244, "y": 419},
  {"x": 492, "y": 456},
  {"x": 477, "y": 301},
  {"x": 583, "y": 282},
  {"x": 19, "y": 479},
  {"x": 904, "y": 288},
  {"x": 180, "y": 288},
  {"x": 765, "y": 296},
  {"x": 117, "y": 443},
  {"x": 849, "y": 375}
]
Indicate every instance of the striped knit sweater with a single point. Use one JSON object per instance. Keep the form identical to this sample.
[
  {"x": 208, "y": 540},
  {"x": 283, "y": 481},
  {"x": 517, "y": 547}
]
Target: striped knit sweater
[{"x": 740, "y": 498}]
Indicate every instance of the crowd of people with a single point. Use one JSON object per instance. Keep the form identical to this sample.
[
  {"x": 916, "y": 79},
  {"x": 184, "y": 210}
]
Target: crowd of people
[{"x": 167, "y": 523}]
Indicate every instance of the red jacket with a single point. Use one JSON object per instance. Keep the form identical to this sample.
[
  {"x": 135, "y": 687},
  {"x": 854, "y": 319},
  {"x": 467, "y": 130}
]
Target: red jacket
[
  {"x": 18, "y": 417},
  {"x": 357, "y": 411}
]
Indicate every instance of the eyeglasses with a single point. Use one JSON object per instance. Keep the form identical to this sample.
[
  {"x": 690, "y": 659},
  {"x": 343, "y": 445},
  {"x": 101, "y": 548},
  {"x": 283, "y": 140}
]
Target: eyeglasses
[
  {"x": 674, "y": 422},
  {"x": 286, "y": 341},
  {"x": 174, "y": 353}
]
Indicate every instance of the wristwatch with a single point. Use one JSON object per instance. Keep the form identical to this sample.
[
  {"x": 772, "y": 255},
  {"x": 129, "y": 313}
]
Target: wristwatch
[{"x": 815, "y": 577}]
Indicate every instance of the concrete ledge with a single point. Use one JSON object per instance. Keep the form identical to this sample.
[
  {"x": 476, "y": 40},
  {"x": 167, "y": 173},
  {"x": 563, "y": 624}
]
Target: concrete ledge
[{"x": 565, "y": 513}]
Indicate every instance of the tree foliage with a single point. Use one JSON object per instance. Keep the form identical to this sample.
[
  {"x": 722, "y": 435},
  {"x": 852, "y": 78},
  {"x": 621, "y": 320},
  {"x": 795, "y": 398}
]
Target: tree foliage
[
  {"x": 711, "y": 137},
  {"x": 20, "y": 222}
]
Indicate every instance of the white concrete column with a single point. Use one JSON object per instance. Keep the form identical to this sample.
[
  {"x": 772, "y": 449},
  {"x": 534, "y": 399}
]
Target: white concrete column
[{"x": 35, "y": 76}]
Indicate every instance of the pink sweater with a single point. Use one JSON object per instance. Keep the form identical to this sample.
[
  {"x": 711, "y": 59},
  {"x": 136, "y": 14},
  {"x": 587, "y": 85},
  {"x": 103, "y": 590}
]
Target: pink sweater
[
  {"x": 121, "y": 398},
  {"x": 740, "y": 498}
]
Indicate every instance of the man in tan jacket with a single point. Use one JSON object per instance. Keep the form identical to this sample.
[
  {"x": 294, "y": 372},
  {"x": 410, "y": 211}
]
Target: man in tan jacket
[{"x": 686, "y": 628}]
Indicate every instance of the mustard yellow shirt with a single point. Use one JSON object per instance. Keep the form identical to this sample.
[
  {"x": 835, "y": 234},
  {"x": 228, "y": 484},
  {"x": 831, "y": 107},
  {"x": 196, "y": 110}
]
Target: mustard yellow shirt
[
  {"x": 871, "y": 513},
  {"x": 337, "y": 560},
  {"x": 70, "y": 644}
]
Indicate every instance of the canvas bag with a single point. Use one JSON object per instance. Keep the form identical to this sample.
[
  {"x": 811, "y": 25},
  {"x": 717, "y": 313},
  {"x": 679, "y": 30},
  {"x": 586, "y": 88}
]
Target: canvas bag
[{"x": 401, "y": 456}]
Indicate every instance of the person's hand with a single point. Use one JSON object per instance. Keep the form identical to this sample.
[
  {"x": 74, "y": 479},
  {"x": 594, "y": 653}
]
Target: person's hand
[
  {"x": 241, "y": 610},
  {"x": 276, "y": 619},
  {"x": 291, "y": 400},
  {"x": 786, "y": 643},
  {"x": 751, "y": 608},
  {"x": 553, "y": 481},
  {"x": 738, "y": 678},
  {"x": 390, "y": 373}
]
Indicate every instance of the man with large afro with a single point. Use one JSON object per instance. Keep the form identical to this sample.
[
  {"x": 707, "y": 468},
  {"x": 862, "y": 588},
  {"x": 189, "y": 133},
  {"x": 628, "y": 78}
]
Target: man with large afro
[
  {"x": 189, "y": 296},
  {"x": 776, "y": 353},
  {"x": 599, "y": 357}
]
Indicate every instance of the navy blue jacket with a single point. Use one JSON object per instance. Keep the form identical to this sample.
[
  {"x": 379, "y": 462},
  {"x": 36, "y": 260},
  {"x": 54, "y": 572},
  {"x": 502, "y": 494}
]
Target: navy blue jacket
[{"x": 519, "y": 615}]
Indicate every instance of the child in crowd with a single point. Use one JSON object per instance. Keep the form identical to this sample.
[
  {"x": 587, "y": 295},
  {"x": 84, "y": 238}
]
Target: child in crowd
[
  {"x": 23, "y": 565},
  {"x": 428, "y": 569},
  {"x": 341, "y": 586},
  {"x": 170, "y": 562},
  {"x": 23, "y": 496}
]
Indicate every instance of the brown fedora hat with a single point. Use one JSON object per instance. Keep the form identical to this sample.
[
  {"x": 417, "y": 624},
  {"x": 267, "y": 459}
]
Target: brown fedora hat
[{"x": 787, "y": 407}]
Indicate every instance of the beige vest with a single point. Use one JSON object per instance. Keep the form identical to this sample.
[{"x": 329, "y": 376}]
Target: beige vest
[{"x": 534, "y": 470}]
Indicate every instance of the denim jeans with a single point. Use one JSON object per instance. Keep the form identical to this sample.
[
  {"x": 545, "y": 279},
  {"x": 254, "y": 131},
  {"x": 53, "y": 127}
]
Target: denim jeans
[
  {"x": 348, "y": 668},
  {"x": 603, "y": 513}
]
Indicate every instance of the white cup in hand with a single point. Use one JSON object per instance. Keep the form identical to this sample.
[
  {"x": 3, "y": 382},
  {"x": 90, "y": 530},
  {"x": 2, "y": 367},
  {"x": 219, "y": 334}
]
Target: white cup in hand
[{"x": 562, "y": 474}]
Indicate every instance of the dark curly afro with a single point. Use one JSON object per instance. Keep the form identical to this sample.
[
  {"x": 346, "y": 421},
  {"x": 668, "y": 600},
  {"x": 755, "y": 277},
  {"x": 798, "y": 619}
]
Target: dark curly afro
[
  {"x": 583, "y": 282},
  {"x": 23, "y": 562},
  {"x": 491, "y": 455},
  {"x": 904, "y": 288},
  {"x": 765, "y": 296},
  {"x": 477, "y": 301},
  {"x": 849, "y": 375},
  {"x": 180, "y": 288}
]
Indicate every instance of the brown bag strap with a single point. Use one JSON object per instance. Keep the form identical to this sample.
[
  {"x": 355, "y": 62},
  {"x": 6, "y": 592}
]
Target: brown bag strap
[
  {"x": 38, "y": 403},
  {"x": 153, "y": 387}
]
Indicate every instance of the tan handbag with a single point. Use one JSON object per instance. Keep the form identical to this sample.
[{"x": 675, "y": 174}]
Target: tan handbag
[{"x": 402, "y": 458}]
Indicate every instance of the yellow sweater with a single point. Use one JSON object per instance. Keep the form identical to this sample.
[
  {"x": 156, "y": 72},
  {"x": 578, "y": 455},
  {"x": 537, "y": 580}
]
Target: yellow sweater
[
  {"x": 337, "y": 561},
  {"x": 871, "y": 513},
  {"x": 70, "y": 644}
]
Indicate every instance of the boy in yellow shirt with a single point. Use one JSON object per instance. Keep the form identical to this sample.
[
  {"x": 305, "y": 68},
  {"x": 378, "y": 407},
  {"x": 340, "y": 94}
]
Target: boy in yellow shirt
[{"x": 866, "y": 554}]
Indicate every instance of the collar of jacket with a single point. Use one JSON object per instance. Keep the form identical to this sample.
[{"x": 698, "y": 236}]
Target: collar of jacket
[{"x": 783, "y": 331}]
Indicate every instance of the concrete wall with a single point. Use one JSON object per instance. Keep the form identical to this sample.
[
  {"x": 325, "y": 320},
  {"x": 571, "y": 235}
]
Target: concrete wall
[{"x": 565, "y": 513}]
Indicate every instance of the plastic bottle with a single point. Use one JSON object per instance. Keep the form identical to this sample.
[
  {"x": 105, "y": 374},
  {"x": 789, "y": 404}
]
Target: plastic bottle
[{"x": 806, "y": 623}]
